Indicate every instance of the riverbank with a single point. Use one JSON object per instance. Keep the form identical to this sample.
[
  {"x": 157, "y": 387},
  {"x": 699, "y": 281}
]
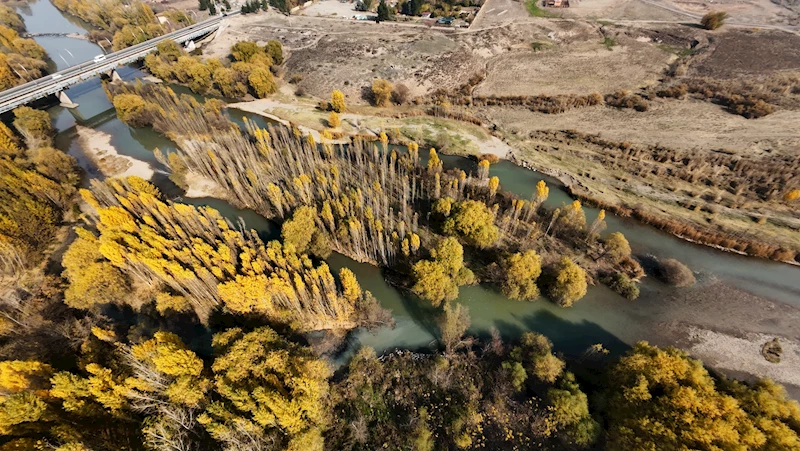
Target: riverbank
[
  {"x": 726, "y": 327},
  {"x": 97, "y": 146},
  {"x": 447, "y": 135}
]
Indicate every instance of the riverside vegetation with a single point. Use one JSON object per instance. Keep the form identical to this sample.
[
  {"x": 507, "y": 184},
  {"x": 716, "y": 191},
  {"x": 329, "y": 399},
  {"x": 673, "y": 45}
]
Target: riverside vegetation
[
  {"x": 164, "y": 326},
  {"x": 122, "y": 24},
  {"x": 21, "y": 59}
]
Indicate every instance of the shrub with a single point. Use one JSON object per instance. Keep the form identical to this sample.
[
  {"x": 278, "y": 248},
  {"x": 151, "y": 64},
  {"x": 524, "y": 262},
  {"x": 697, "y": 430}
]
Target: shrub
[
  {"x": 772, "y": 351},
  {"x": 400, "y": 94},
  {"x": 381, "y": 92},
  {"x": 675, "y": 273},
  {"x": 521, "y": 271},
  {"x": 624, "y": 99},
  {"x": 622, "y": 284},
  {"x": 337, "y": 102},
  {"x": 713, "y": 20},
  {"x": 792, "y": 195},
  {"x": 333, "y": 120},
  {"x": 567, "y": 283}
]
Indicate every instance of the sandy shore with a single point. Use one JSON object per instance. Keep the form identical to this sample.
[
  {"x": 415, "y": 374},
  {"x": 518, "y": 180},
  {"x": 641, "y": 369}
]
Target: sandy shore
[
  {"x": 97, "y": 146},
  {"x": 743, "y": 353},
  {"x": 199, "y": 186}
]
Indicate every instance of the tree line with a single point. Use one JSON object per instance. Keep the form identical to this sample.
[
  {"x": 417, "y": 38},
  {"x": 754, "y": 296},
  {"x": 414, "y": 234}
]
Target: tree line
[
  {"x": 121, "y": 23},
  {"x": 251, "y": 71}
]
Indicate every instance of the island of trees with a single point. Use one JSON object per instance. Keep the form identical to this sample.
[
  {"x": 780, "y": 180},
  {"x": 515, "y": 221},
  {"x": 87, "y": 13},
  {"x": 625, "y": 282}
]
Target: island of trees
[{"x": 129, "y": 321}]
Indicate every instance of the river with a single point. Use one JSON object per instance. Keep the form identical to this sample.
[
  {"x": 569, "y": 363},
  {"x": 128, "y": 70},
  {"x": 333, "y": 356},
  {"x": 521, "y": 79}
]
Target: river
[{"x": 600, "y": 317}]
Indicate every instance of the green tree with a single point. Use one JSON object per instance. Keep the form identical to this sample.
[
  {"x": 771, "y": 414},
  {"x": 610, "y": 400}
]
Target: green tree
[
  {"x": 272, "y": 392},
  {"x": 453, "y": 324},
  {"x": 568, "y": 283},
  {"x": 381, "y": 92},
  {"x": 473, "y": 221},
  {"x": 569, "y": 417},
  {"x": 384, "y": 13},
  {"x": 520, "y": 271}
]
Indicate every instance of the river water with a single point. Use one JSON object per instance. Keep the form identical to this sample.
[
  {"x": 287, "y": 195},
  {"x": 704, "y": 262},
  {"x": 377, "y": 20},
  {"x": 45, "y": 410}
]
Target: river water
[{"x": 600, "y": 317}]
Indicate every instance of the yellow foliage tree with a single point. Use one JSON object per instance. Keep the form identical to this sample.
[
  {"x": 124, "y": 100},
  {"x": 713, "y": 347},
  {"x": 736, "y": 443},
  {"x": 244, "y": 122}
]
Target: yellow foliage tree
[
  {"x": 473, "y": 221},
  {"x": 272, "y": 392},
  {"x": 333, "y": 120},
  {"x": 337, "y": 102},
  {"x": 568, "y": 284},
  {"x": 520, "y": 271},
  {"x": 381, "y": 92}
]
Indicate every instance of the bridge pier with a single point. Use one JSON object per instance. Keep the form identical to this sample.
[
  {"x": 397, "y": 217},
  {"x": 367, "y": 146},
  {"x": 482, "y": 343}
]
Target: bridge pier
[
  {"x": 190, "y": 45},
  {"x": 66, "y": 102},
  {"x": 115, "y": 76}
]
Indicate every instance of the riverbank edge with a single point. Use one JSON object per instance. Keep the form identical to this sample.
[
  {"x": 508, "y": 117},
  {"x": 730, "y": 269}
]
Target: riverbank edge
[{"x": 569, "y": 181}]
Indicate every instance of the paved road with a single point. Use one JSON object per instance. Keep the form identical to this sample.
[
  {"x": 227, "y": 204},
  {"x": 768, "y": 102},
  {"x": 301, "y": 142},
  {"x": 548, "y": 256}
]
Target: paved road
[{"x": 51, "y": 84}]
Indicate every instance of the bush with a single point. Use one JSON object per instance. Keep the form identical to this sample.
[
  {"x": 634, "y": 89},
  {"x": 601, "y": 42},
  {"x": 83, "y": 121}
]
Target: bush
[
  {"x": 622, "y": 284},
  {"x": 624, "y": 99},
  {"x": 567, "y": 283},
  {"x": 400, "y": 94},
  {"x": 675, "y": 273},
  {"x": 381, "y": 92},
  {"x": 131, "y": 109},
  {"x": 713, "y": 20}
]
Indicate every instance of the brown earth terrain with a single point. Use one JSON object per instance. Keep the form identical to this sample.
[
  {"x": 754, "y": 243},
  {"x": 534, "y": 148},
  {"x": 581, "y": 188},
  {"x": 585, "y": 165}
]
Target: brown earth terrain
[{"x": 731, "y": 96}]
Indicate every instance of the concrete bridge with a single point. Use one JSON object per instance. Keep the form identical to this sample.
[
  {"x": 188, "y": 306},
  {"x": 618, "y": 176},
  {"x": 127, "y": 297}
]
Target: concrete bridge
[{"x": 55, "y": 84}]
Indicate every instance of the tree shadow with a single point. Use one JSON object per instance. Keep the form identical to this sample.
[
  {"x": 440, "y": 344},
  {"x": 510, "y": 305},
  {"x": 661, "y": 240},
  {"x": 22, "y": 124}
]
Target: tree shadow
[{"x": 573, "y": 338}]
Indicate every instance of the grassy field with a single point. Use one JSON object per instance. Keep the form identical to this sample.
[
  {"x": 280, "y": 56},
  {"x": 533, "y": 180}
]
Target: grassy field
[{"x": 535, "y": 10}]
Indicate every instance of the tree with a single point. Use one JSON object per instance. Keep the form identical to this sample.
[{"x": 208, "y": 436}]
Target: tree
[
  {"x": 272, "y": 392},
  {"x": 453, "y": 324},
  {"x": 520, "y": 271},
  {"x": 381, "y": 92},
  {"x": 131, "y": 109},
  {"x": 337, "y": 102},
  {"x": 433, "y": 282},
  {"x": 535, "y": 354},
  {"x": 34, "y": 126},
  {"x": 473, "y": 221},
  {"x": 9, "y": 18},
  {"x": 244, "y": 51},
  {"x": 569, "y": 416},
  {"x": 384, "y": 13},
  {"x": 617, "y": 247},
  {"x": 92, "y": 280},
  {"x": 568, "y": 283},
  {"x": 275, "y": 50},
  {"x": 262, "y": 82},
  {"x": 333, "y": 120},
  {"x": 299, "y": 230},
  {"x": 662, "y": 399},
  {"x": 713, "y": 20}
]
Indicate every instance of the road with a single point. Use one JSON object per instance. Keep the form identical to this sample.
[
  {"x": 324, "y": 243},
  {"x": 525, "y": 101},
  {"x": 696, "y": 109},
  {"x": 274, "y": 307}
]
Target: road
[{"x": 54, "y": 83}]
